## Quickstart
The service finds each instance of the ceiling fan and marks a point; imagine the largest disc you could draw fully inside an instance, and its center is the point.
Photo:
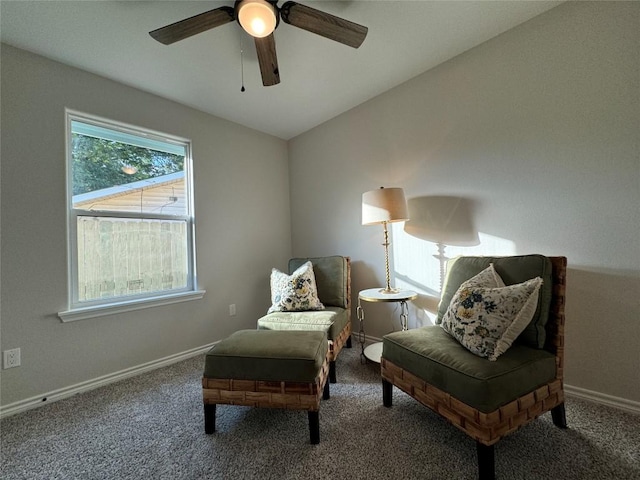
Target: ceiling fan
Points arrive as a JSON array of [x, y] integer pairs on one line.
[[259, 18]]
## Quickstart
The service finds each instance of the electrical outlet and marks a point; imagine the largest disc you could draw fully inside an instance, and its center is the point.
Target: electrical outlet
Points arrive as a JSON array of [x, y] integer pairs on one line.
[[12, 358], [232, 310]]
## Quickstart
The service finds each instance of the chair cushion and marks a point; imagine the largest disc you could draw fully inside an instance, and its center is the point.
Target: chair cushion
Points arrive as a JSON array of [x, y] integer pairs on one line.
[[433, 355], [514, 269], [267, 356], [331, 320], [331, 278]]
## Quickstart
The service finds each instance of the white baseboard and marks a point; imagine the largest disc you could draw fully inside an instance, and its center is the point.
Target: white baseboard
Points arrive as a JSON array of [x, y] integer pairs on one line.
[[55, 395], [603, 399], [37, 401]]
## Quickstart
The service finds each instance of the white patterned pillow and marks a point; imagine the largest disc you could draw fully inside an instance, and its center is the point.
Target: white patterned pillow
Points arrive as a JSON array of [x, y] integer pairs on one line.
[[296, 292], [485, 318]]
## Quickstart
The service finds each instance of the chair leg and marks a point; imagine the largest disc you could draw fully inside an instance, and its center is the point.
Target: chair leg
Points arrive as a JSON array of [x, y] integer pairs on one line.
[[332, 371], [387, 393], [559, 416], [348, 344], [314, 427], [325, 392], [209, 418], [486, 462]]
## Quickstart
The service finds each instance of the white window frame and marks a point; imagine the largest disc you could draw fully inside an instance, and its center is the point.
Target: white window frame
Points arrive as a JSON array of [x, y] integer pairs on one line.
[[88, 309]]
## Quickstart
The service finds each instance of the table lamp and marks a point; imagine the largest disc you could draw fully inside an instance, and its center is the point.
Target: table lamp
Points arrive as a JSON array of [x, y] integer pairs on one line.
[[384, 205]]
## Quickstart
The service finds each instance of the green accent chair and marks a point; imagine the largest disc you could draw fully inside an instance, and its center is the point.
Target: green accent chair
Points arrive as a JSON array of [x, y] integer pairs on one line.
[[485, 399], [333, 280]]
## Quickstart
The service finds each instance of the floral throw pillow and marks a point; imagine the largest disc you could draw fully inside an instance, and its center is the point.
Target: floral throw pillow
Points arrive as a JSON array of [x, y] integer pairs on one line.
[[486, 317], [296, 292]]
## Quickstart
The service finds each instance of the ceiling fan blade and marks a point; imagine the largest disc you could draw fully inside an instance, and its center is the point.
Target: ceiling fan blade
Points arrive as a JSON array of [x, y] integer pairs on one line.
[[193, 25], [268, 60], [322, 23]]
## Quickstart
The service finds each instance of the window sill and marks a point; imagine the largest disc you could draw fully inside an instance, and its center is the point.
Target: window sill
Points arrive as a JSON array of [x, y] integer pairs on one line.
[[123, 307]]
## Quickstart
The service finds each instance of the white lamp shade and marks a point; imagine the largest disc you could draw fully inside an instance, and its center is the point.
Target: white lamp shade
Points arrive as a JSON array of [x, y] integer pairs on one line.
[[384, 205], [257, 17]]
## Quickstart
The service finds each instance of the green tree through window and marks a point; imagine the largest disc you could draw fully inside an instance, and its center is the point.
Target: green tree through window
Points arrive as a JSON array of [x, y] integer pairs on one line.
[[98, 163]]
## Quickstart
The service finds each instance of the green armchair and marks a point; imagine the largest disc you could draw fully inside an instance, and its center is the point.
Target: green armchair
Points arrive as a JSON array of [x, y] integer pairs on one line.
[[333, 280], [486, 399]]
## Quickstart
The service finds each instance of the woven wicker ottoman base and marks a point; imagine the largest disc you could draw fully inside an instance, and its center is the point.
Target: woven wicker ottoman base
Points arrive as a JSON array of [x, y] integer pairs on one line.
[[269, 369]]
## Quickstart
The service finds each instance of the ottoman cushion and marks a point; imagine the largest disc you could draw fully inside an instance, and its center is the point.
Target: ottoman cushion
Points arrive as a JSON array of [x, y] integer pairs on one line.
[[289, 356]]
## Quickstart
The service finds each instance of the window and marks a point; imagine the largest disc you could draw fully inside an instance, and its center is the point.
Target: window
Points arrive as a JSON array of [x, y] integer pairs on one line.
[[130, 218]]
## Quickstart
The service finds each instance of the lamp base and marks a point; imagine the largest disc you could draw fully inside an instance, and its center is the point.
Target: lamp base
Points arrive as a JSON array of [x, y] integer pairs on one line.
[[389, 290]]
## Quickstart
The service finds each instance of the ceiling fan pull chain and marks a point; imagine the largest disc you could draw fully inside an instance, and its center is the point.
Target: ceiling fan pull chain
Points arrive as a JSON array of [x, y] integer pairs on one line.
[[241, 65]]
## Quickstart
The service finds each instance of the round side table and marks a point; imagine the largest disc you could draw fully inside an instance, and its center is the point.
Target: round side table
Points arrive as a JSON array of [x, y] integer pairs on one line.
[[374, 351]]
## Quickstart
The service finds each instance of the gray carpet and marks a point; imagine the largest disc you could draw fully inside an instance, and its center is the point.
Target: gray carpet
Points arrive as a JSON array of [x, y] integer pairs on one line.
[[151, 427]]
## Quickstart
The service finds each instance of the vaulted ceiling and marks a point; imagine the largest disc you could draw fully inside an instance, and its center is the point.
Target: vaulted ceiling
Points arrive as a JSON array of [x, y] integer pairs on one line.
[[320, 78]]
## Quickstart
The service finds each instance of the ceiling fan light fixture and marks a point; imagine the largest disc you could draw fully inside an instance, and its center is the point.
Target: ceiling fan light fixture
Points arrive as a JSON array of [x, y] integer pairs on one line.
[[257, 17]]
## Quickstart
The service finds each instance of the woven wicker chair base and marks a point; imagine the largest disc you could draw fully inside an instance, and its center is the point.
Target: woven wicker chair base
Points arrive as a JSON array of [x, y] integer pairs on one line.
[[488, 428], [335, 346], [267, 394]]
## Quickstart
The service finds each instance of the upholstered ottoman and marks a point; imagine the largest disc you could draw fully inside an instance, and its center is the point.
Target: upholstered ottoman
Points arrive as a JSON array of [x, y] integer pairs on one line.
[[271, 369]]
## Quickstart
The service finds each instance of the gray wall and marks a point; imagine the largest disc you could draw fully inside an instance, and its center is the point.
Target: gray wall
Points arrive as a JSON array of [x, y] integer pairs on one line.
[[243, 228], [539, 130]]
